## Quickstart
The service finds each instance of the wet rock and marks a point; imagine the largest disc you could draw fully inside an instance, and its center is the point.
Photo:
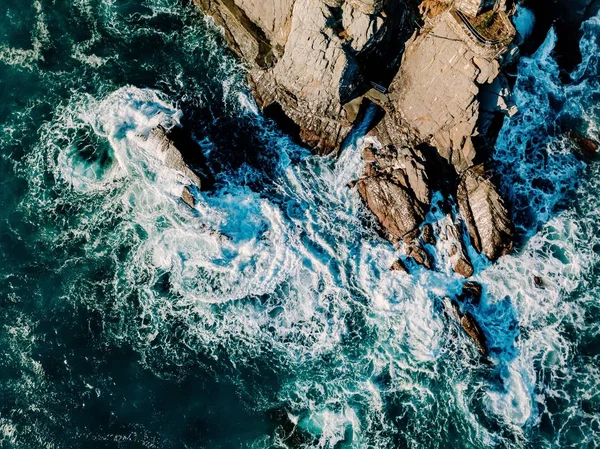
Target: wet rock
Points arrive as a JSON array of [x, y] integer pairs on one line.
[[538, 282], [187, 197], [178, 151], [394, 205], [463, 267], [473, 330], [468, 322], [459, 260], [415, 251], [427, 234], [309, 58], [588, 146], [485, 213], [452, 309], [471, 292], [398, 265], [396, 189]]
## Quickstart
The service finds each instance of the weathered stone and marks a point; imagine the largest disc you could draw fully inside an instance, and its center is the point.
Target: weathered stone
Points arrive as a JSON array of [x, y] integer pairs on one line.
[[427, 234], [394, 205], [452, 309], [484, 211], [472, 292], [305, 56], [187, 197], [473, 330], [463, 267], [415, 251], [452, 239], [398, 265], [438, 84]]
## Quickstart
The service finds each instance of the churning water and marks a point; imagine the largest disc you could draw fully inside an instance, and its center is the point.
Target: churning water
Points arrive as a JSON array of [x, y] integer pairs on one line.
[[266, 317]]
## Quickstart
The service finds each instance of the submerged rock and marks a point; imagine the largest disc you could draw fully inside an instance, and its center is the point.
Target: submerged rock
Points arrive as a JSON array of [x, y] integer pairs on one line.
[[588, 146], [472, 292], [488, 220]]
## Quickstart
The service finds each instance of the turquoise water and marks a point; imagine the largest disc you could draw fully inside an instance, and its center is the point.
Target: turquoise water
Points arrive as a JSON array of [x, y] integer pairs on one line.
[[266, 317]]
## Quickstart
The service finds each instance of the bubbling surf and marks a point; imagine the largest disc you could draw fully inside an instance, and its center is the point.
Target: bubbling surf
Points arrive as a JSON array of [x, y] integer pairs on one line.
[[266, 315]]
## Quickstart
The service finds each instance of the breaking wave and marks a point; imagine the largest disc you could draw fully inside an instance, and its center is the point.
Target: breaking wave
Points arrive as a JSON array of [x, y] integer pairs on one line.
[[271, 301]]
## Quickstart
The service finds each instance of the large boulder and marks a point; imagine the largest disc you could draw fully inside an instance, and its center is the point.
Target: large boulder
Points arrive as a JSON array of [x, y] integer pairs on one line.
[[485, 213], [396, 188]]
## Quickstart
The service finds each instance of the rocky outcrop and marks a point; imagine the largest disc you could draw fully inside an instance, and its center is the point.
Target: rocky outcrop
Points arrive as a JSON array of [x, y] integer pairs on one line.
[[396, 188], [179, 152], [317, 63], [309, 58], [486, 215], [468, 323]]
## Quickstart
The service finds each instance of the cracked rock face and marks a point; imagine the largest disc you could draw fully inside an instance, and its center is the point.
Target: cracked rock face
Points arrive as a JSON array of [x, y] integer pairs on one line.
[[312, 62], [437, 87], [304, 57], [486, 215], [396, 189]]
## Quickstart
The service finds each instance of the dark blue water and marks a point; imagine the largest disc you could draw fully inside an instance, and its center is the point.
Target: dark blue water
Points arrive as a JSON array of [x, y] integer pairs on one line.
[[267, 316]]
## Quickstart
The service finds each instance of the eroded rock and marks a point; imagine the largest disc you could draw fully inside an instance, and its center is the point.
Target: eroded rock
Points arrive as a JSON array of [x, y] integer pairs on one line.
[[485, 213], [468, 323], [396, 189], [398, 265], [179, 152], [473, 330]]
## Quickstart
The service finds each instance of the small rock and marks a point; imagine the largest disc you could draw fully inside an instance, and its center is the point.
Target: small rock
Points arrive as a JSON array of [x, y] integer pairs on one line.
[[485, 213], [538, 282], [427, 234], [587, 145], [416, 252], [473, 330], [463, 267], [187, 197], [472, 292], [399, 266], [452, 309]]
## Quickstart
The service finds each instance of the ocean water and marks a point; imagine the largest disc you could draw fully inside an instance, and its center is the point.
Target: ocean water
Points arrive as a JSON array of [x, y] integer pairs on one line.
[[266, 317]]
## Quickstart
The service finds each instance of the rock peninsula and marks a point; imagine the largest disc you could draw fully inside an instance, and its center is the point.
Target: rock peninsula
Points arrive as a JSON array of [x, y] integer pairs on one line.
[[317, 65]]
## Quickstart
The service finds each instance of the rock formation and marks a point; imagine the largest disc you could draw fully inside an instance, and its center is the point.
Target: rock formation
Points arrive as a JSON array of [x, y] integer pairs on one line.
[[309, 58], [467, 322], [485, 213], [396, 188], [178, 151], [318, 63]]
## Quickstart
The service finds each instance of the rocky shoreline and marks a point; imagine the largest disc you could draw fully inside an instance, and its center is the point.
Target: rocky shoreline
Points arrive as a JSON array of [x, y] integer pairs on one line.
[[433, 72]]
